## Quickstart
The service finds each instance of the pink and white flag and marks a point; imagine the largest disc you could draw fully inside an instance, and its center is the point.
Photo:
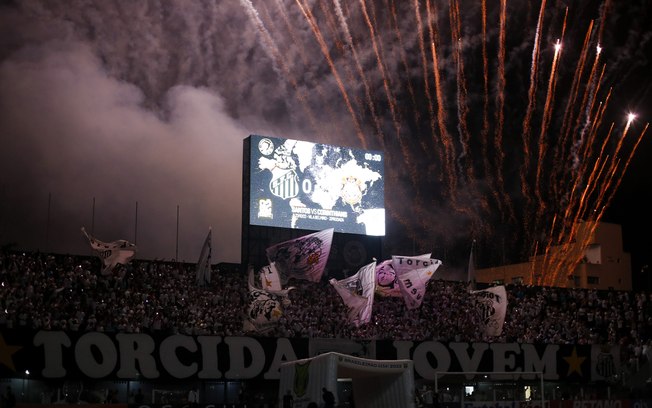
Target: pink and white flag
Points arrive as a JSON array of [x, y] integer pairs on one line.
[[302, 258], [413, 282]]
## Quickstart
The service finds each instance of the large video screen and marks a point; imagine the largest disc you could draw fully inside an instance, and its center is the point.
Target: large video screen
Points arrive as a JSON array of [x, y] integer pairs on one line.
[[312, 186]]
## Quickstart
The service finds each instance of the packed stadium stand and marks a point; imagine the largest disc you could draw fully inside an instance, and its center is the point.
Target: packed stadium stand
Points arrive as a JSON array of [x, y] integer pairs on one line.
[[52, 293]]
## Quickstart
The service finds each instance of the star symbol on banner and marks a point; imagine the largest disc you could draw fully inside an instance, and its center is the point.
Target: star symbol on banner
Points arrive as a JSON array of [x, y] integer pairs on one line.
[[6, 353], [574, 363]]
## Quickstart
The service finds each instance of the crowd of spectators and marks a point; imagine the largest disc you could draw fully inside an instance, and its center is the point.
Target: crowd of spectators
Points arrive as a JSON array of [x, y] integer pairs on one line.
[[57, 292]]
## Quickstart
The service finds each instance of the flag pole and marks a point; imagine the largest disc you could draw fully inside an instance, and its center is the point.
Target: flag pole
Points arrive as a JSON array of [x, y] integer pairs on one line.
[[93, 218], [470, 278], [136, 226], [47, 223], [176, 253], [93, 221]]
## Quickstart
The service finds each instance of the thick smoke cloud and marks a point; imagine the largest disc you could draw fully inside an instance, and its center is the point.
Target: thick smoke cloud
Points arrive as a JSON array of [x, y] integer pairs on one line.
[[79, 135]]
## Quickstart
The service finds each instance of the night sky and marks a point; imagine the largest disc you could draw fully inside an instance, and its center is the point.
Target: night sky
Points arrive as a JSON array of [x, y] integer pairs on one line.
[[118, 115]]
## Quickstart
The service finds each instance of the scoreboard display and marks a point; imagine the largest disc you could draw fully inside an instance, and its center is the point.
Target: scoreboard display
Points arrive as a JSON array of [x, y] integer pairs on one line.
[[312, 186]]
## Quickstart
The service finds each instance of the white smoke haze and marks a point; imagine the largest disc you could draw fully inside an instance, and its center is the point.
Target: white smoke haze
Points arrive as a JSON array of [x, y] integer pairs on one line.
[[121, 102], [81, 135]]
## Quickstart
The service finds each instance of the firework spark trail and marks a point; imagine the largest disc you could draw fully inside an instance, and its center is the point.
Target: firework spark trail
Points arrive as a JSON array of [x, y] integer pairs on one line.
[[545, 123], [390, 97], [499, 182], [547, 116], [610, 184], [304, 60], [571, 260], [561, 228], [569, 218], [266, 39], [573, 251], [484, 132], [449, 153], [280, 67], [563, 26], [534, 68], [324, 48], [591, 183], [616, 152], [401, 50], [574, 210], [381, 66], [606, 6], [600, 111], [543, 278], [592, 134], [426, 83], [462, 109], [533, 264], [585, 230], [583, 149], [391, 100], [577, 180], [613, 169], [356, 59], [569, 233], [560, 152], [595, 181], [596, 84], [585, 106], [403, 143], [624, 169], [332, 25]]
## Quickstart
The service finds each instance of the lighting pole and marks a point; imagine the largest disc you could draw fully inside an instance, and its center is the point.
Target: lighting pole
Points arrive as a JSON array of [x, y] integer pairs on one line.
[[25, 397]]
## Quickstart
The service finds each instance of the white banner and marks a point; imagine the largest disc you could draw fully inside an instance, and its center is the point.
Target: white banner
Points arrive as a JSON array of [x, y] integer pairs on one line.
[[111, 253], [265, 307], [204, 263], [269, 278], [491, 305], [357, 292]]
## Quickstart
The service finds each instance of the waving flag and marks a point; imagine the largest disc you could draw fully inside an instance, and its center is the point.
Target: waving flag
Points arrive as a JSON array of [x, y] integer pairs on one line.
[[387, 272], [204, 263], [386, 282], [491, 306], [269, 278], [413, 282], [357, 292], [111, 253], [265, 307], [302, 258], [402, 264]]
